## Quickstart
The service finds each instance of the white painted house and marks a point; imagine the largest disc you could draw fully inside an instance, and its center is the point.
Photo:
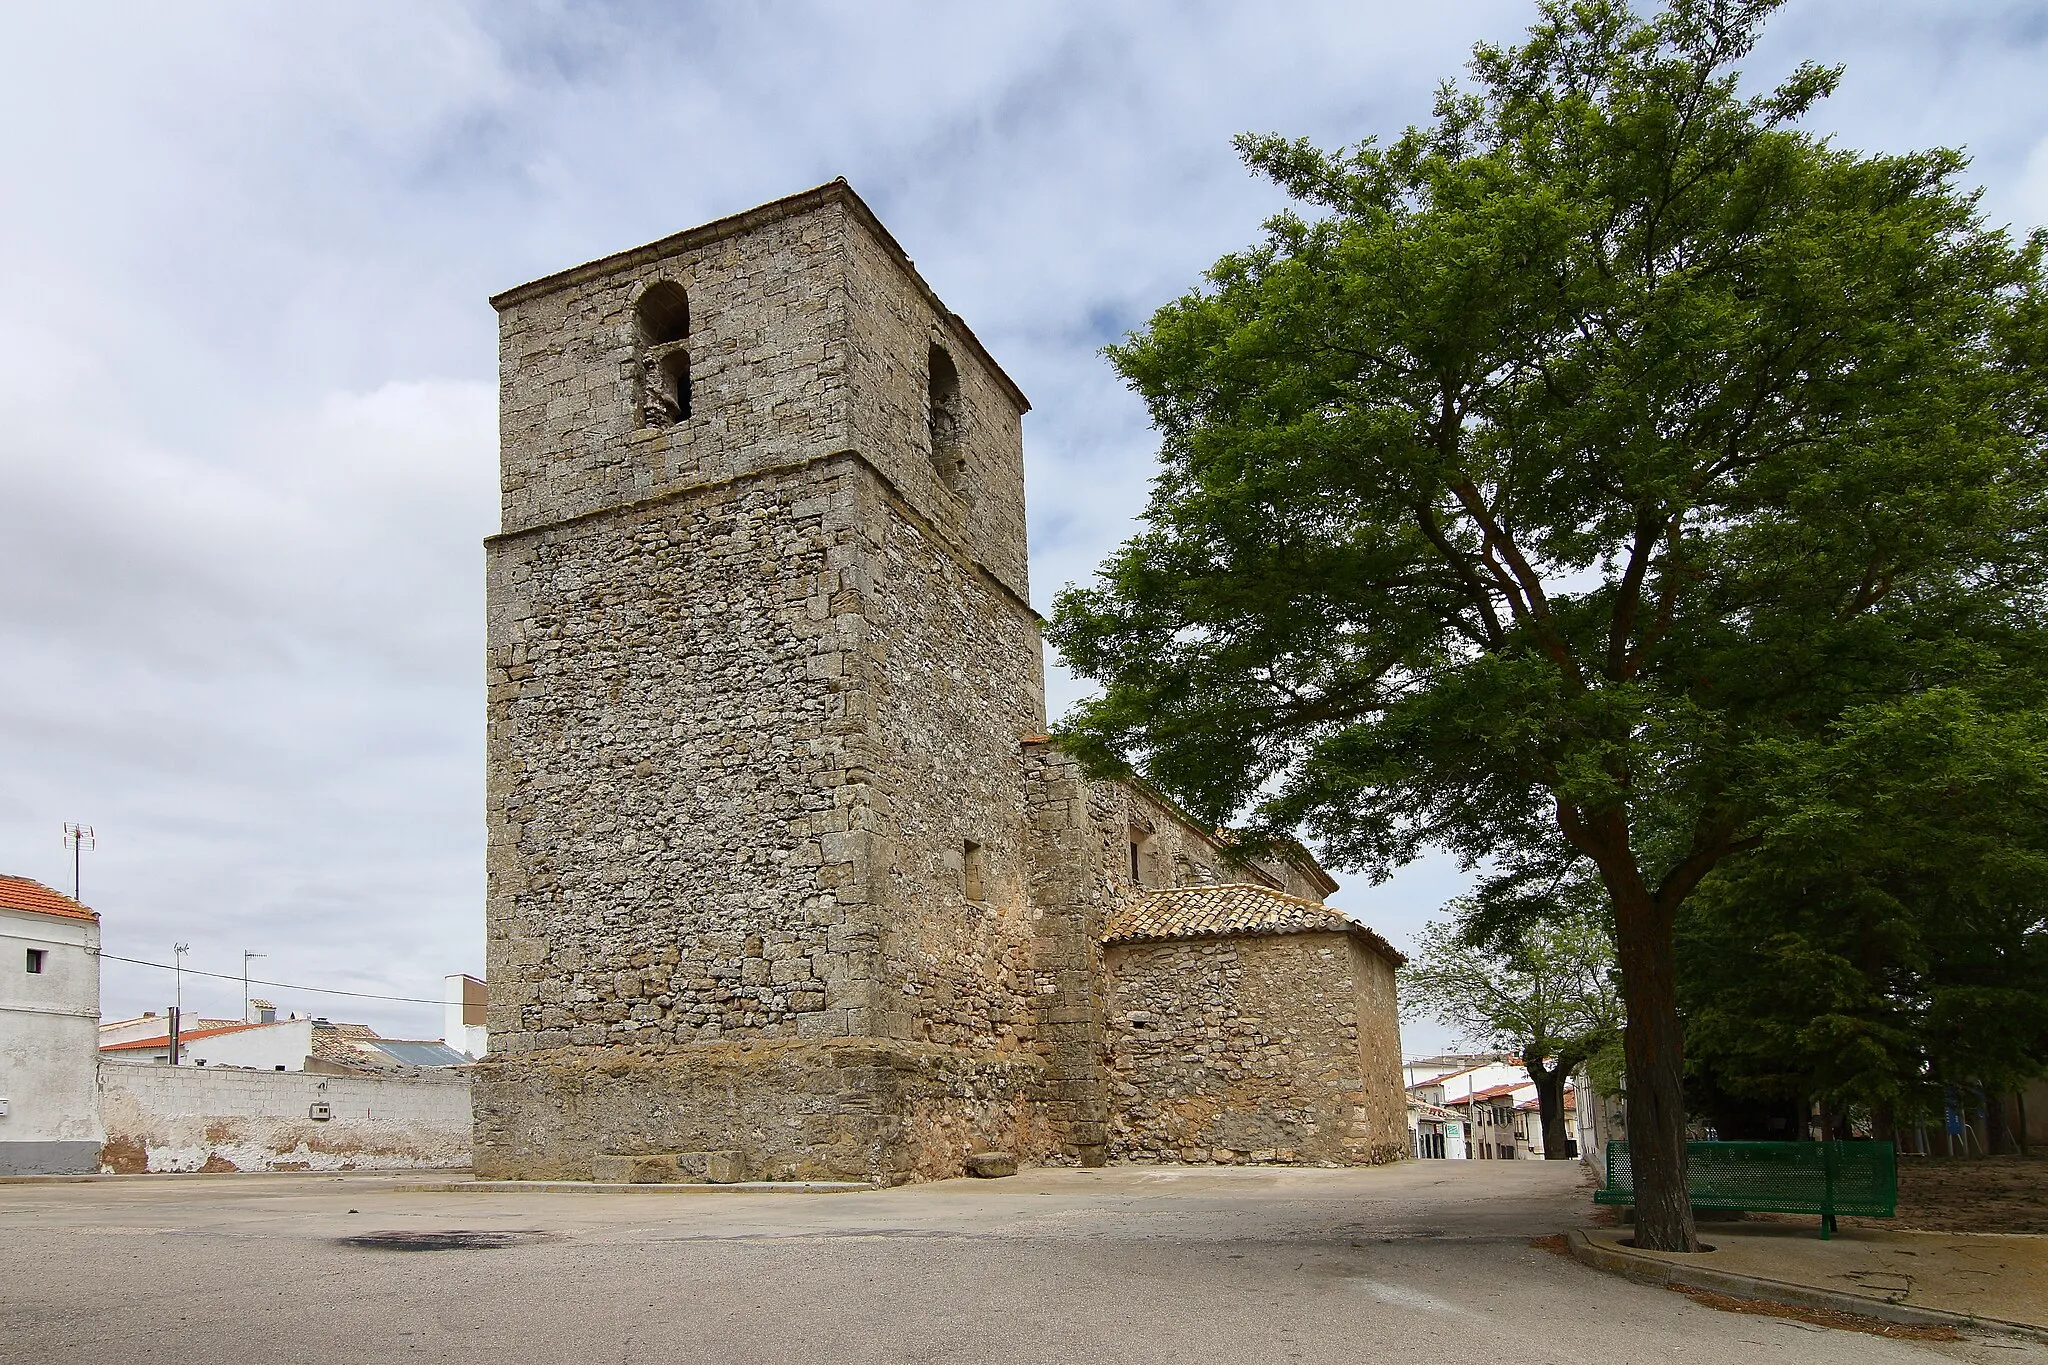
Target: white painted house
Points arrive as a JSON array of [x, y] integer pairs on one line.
[[462, 1026], [49, 1032], [282, 1045]]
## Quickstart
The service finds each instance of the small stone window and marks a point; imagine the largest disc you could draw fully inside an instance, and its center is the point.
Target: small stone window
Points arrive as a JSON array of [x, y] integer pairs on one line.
[[971, 870], [662, 319], [946, 420], [1141, 856], [35, 961]]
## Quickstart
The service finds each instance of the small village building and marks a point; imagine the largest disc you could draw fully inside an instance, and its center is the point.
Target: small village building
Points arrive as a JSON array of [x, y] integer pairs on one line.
[[49, 1012], [297, 1043], [1246, 1024], [1430, 1129], [1490, 1120], [1529, 1126], [462, 1018], [278, 1046]]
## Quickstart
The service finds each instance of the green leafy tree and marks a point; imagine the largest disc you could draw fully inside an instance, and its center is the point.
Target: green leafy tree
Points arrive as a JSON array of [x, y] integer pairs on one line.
[[1548, 996], [1890, 939], [1559, 456]]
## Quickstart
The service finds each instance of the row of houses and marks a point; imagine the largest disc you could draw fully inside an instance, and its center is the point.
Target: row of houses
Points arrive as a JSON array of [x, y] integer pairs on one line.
[[72, 1087], [1483, 1107]]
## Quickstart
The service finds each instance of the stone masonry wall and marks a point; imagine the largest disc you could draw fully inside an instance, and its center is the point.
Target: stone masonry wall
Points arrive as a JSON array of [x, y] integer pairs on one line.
[[671, 791], [757, 681], [954, 665], [1082, 834], [892, 325], [767, 370], [1251, 1049], [846, 1109]]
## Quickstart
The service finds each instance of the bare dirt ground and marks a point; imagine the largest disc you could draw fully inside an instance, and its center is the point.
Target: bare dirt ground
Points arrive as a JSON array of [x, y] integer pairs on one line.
[[1987, 1194], [1940, 1194]]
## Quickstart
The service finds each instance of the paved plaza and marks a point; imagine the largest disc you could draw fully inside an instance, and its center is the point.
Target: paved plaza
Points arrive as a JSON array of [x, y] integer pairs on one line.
[[1419, 1262]]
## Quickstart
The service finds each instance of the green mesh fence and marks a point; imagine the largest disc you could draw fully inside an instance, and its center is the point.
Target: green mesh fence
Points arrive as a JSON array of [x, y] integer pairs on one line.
[[1776, 1177]]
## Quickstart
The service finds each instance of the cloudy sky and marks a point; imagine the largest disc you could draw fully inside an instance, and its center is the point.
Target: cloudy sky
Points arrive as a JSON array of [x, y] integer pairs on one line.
[[246, 363]]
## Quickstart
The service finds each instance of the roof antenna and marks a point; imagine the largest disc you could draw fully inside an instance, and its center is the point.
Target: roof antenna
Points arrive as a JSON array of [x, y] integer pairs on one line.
[[78, 838]]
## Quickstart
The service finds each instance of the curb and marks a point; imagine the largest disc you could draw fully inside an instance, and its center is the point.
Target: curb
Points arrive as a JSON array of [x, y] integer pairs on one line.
[[1654, 1270], [677, 1187], [132, 1177]]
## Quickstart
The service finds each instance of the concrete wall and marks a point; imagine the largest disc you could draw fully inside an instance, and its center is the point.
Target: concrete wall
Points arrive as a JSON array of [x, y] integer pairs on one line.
[[1272, 1048], [49, 1045], [187, 1118]]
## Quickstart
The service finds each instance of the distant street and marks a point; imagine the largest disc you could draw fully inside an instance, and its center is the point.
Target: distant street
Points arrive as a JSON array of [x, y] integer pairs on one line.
[[1423, 1262]]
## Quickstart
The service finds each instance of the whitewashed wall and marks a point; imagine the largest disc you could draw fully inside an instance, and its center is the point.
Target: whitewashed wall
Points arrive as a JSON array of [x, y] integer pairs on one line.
[[49, 1043], [162, 1118]]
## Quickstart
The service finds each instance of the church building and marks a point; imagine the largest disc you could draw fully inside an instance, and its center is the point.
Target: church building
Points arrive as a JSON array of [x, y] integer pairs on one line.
[[785, 880]]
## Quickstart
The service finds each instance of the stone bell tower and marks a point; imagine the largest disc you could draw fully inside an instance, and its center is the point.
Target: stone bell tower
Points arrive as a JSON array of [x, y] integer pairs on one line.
[[760, 657]]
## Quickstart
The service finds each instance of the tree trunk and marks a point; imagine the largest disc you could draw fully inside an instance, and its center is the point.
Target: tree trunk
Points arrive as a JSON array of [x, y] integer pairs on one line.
[[1549, 1082], [1997, 1131], [1654, 1052]]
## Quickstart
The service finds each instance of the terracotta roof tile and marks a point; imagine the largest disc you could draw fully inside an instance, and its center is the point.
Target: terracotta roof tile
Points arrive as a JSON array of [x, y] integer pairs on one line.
[[1494, 1092], [164, 1039], [1571, 1102], [20, 893], [1227, 910]]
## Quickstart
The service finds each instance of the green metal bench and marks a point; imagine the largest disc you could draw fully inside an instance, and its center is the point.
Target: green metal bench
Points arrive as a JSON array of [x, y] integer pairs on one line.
[[1827, 1178]]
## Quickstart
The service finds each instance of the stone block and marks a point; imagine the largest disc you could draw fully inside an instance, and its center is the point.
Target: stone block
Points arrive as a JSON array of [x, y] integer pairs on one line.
[[991, 1165], [653, 1168]]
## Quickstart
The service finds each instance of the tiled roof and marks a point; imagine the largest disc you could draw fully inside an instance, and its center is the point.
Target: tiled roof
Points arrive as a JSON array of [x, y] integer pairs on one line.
[[1496, 1091], [1236, 908], [164, 1039], [1571, 1101], [19, 893]]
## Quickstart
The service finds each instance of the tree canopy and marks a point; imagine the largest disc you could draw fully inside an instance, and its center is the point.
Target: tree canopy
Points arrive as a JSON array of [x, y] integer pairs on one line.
[[1552, 463], [1890, 939]]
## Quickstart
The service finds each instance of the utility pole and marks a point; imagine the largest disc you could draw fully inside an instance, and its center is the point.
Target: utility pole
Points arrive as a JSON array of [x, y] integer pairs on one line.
[[246, 955], [78, 838], [178, 951]]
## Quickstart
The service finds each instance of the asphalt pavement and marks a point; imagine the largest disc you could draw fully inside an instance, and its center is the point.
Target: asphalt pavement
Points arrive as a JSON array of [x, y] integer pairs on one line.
[[1420, 1262]]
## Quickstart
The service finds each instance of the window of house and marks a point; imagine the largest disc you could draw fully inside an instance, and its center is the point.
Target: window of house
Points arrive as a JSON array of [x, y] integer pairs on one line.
[[971, 871], [945, 419], [35, 961], [662, 318]]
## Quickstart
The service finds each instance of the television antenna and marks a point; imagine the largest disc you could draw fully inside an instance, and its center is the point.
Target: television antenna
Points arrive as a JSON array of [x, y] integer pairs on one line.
[[78, 838]]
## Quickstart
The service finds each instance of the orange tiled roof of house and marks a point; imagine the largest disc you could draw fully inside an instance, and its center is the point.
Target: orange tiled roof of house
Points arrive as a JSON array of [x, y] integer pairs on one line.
[[1226, 910], [21, 893], [1571, 1101], [1496, 1091], [164, 1039]]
